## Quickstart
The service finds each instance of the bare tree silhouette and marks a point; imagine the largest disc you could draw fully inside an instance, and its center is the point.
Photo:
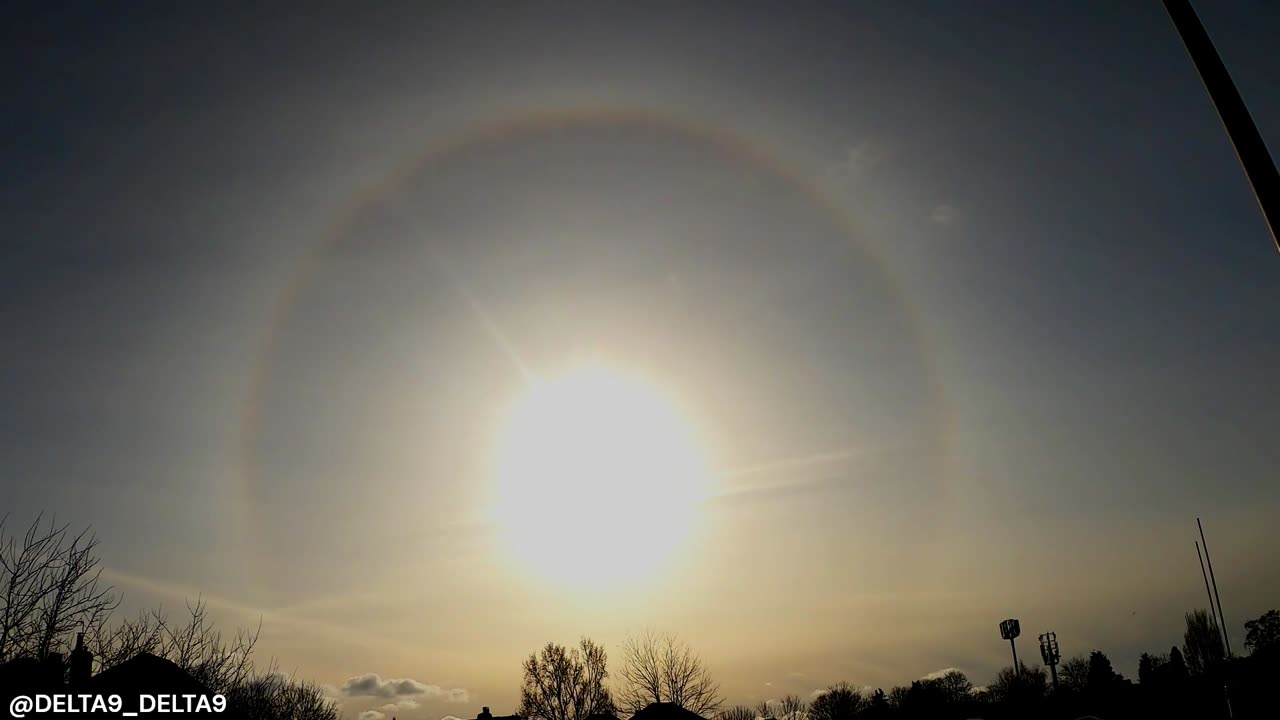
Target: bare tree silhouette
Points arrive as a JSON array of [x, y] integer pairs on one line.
[[955, 686], [273, 696], [50, 589], [565, 684], [838, 702], [1027, 684], [659, 667], [898, 695], [877, 706], [1073, 674], [737, 712], [50, 586], [790, 707]]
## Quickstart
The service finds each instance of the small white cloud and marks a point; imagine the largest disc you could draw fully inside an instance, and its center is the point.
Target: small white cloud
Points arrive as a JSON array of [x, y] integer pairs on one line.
[[458, 695], [768, 684], [943, 214], [374, 685], [939, 673], [817, 693], [372, 715], [862, 158], [450, 717], [857, 161], [403, 704], [978, 690]]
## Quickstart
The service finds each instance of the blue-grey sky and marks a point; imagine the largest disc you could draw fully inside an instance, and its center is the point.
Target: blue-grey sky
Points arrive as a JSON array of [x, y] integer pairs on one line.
[[970, 307]]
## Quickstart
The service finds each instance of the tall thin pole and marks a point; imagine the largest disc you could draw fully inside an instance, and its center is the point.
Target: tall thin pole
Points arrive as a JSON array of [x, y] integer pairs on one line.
[[1222, 618], [1213, 615], [1249, 146], [1016, 670]]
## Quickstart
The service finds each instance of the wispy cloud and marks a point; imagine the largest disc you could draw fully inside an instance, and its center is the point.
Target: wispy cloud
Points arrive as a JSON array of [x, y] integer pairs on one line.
[[372, 715], [943, 214], [167, 589]]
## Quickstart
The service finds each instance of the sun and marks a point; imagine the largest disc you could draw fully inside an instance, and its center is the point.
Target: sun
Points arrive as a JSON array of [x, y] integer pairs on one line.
[[598, 478]]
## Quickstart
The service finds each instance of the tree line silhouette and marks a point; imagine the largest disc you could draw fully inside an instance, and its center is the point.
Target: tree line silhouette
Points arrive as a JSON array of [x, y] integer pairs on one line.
[[51, 591], [1195, 680]]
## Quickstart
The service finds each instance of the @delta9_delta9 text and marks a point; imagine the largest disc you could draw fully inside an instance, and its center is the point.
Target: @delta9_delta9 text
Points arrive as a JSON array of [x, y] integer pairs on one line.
[[114, 704]]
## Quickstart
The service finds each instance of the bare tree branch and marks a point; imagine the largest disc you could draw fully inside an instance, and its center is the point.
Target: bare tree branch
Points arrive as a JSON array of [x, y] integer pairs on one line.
[[658, 667], [563, 684]]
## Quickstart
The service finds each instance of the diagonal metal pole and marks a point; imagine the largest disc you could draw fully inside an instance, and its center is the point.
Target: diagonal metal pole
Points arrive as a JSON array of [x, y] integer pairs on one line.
[[1250, 148], [1213, 615], [1222, 619]]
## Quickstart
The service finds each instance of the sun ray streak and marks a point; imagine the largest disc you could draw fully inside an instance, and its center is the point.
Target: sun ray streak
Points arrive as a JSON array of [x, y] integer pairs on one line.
[[788, 463], [454, 277]]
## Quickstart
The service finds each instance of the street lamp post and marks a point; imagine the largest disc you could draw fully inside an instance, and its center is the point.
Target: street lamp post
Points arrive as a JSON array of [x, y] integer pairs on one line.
[[1009, 630]]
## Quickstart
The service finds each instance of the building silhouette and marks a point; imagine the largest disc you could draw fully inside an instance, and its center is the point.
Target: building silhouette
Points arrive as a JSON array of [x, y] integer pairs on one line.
[[143, 674], [666, 711], [486, 715]]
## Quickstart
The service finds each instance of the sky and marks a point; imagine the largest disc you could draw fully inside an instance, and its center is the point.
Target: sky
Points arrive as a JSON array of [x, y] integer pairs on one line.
[[967, 309]]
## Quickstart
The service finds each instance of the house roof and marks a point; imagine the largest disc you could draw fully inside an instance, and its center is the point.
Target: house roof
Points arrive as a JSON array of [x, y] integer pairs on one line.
[[146, 674], [666, 711]]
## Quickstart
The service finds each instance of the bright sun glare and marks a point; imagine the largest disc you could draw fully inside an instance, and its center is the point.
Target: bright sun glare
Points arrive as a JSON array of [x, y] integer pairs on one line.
[[598, 478]]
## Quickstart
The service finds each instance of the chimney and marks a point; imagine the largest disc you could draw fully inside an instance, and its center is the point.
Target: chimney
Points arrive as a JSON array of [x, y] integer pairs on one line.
[[484, 714], [81, 663]]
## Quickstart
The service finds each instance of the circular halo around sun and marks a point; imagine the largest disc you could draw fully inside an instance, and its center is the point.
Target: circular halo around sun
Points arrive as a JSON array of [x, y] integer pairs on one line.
[[599, 479]]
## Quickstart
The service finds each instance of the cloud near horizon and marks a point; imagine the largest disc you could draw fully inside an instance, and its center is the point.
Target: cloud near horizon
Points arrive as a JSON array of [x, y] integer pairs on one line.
[[374, 685], [937, 674]]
